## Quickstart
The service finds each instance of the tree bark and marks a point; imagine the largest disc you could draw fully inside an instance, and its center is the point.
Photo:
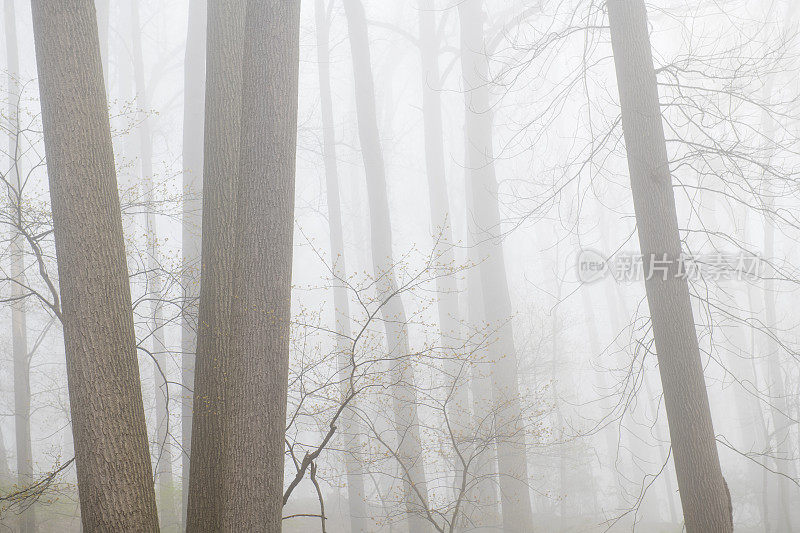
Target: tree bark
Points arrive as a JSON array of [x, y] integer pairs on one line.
[[236, 480], [393, 312], [511, 451], [356, 496], [704, 494], [223, 109], [191, 226], [115, 482], [255, 411]]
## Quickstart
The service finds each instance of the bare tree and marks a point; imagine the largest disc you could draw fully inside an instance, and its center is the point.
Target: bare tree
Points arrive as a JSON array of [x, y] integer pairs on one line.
[[496, 300], [158, 349], [353, 461], [394, 315], [704, 493], [113, 463]]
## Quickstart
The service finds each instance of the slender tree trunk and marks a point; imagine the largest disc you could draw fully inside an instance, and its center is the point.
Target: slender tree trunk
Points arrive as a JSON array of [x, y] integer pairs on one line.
[[511, 451], [193, 124], [223, 109], [163, 448], [393, 312], [484, 508], [704, 493], [441, 226], [115, 482], [353, 460], [19, 323]]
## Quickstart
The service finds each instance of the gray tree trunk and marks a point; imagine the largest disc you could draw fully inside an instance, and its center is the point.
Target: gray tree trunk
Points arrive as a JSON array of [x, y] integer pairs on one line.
[[255, 411], [511, 451], [191, 227], [457, 370], [163, 448], [243, 343], [393, 312], [115, 483], [704, 493], [223, 109], [356, 495]]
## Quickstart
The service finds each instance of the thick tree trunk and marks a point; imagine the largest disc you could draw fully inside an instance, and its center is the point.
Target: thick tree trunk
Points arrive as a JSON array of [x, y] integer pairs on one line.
[[191, 227], [223, 109], [255, 411], [511, 451], [393, 312], [115, 482], [236, 481], [163, 446], [19, 322], [704, 494], [356, 496]]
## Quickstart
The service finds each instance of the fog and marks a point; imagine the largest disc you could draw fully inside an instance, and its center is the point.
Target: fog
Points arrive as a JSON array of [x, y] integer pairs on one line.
[[437, 265]]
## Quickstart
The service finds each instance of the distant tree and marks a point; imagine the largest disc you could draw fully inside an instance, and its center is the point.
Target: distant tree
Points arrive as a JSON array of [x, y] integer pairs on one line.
[[394, 314], [353, 461], [115, 482], [494, 299], [704, 493]]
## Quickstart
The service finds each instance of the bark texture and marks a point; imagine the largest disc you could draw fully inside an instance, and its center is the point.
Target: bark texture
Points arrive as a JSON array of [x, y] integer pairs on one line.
[[409, 449], [356, 497], [255, 410], [115, 482], [223, 109], [485, 222], [236, 481], [704, 495]]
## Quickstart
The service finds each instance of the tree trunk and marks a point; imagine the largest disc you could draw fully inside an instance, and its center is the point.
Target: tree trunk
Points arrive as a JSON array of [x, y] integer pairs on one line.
[[163, 448], [704, 493], [353, 460], [511, 451], [255, 412], [393, 312], [19, 322], [456, 370], [223, 109], [236, 481], [193, 123], [115, 482]]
